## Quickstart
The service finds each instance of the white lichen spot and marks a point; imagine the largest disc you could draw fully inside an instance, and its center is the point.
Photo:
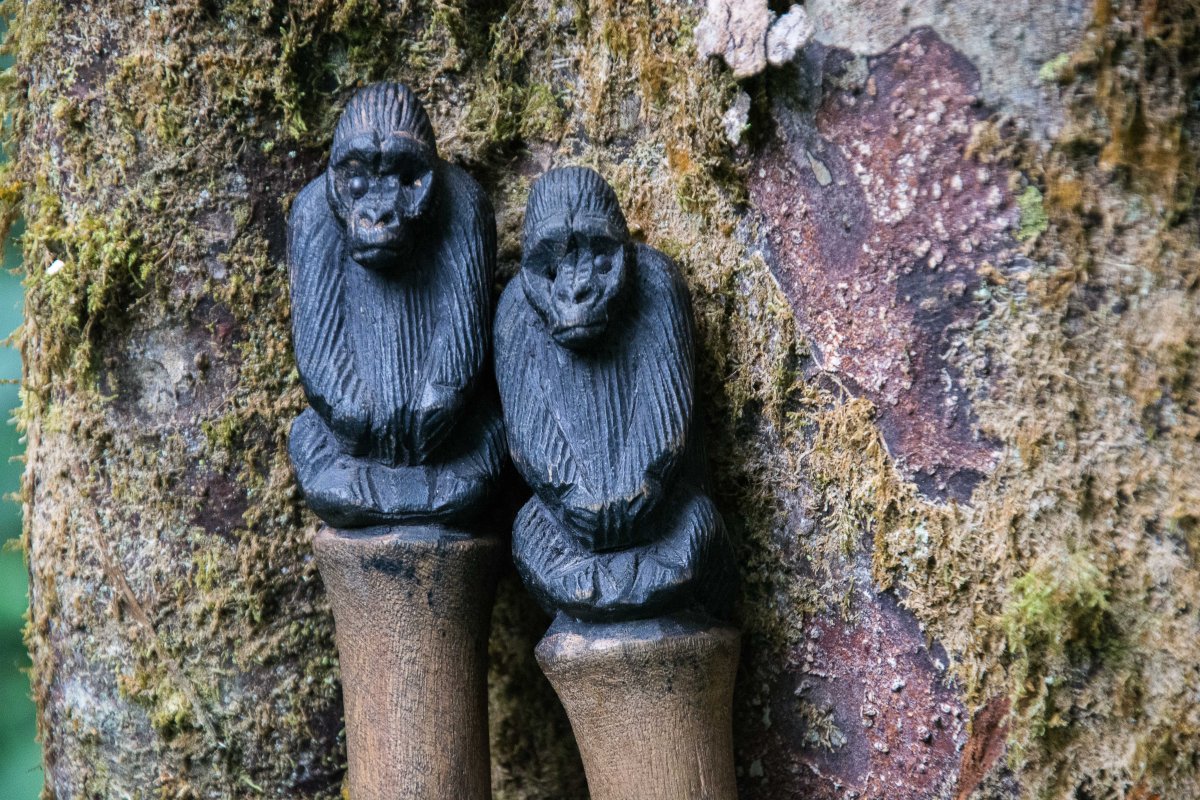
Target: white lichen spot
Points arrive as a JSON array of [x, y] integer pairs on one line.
[[736, 120], [788, 36], [747, 35], [819, 169]]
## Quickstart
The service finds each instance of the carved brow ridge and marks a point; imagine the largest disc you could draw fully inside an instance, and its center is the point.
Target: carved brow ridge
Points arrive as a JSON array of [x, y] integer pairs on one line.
[[574, 220], [367, 148]]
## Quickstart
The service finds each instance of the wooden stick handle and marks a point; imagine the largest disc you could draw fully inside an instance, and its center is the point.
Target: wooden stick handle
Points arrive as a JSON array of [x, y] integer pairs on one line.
[[651, 705], [412, 608]]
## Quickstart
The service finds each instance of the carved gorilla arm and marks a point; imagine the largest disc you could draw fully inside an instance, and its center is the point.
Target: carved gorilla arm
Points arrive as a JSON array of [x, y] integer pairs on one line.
[[461, 340], [326, 365]]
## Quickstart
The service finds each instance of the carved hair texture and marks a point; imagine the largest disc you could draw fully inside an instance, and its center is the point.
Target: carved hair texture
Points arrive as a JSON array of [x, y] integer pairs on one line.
[[598, 397], [387, 108], [566, 196], [391, 311]]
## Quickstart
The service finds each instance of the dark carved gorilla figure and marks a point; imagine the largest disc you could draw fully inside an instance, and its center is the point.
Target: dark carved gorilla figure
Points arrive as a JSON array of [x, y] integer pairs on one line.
[[594, 359], [392, 253]]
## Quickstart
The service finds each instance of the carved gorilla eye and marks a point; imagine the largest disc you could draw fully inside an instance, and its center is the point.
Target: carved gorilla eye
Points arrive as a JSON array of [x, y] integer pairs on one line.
[[357, 186], [602, 264]]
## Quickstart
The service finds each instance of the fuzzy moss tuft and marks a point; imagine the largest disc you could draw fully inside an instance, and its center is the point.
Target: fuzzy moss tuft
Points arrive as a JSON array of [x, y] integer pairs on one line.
[[1033, 216], [1055, 621]]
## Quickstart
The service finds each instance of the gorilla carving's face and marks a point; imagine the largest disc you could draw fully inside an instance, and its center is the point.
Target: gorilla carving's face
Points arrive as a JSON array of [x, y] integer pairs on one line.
[[380, 186], [573, 275]]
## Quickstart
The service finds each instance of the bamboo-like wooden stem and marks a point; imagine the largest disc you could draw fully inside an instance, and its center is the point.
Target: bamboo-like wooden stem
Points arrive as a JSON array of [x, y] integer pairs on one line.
[[650, 703], [412, 608]]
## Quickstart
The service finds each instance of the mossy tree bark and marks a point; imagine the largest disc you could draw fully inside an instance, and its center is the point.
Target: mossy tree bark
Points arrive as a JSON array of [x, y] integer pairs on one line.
[[945, 269]]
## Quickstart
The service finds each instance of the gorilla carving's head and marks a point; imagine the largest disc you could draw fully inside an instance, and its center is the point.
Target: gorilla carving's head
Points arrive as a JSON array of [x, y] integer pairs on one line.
[[577, 254], [382, 173]]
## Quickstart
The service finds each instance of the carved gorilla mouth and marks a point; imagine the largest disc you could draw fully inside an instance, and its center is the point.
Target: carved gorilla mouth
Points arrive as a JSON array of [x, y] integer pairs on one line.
[[579, 332], [375, 256], [380, 247], [373, 253]]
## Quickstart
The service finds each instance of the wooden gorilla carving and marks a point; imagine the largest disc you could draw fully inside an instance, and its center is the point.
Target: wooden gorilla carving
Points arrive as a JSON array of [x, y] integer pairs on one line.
[[392, 252], [594, 358]]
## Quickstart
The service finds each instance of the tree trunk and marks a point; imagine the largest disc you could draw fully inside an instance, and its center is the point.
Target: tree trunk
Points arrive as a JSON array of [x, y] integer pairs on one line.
[[945, 266]]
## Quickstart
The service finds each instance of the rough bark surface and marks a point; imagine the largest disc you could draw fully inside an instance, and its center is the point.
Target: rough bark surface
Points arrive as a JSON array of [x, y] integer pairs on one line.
[[945, 269]]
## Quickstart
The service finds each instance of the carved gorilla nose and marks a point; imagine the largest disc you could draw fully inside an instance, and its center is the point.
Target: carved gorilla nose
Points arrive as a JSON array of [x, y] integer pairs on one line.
[[575, 291], [373, 216], [575, 282]]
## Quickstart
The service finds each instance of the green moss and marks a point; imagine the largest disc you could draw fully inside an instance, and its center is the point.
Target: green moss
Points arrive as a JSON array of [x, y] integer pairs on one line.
[[171, 714], [1055, 69], [1033, 216], [541, 117], [1056, 618], [225, 433]]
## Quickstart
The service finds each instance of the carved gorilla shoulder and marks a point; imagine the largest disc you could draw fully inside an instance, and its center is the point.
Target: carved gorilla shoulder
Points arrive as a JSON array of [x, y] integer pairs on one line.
[[392, 253], [594, 358]]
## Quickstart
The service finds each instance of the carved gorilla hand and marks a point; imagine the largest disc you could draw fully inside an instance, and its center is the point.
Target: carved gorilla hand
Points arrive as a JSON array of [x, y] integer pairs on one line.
[[436, 412], [594, 361], [392, 253]]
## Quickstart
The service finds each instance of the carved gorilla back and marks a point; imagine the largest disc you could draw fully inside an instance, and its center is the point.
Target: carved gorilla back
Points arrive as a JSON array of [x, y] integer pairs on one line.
[[594, 358], [392, 252]]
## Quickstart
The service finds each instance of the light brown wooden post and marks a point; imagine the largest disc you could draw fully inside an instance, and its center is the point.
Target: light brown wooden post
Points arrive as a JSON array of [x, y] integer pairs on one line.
[[412, 608], [650, 703]]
